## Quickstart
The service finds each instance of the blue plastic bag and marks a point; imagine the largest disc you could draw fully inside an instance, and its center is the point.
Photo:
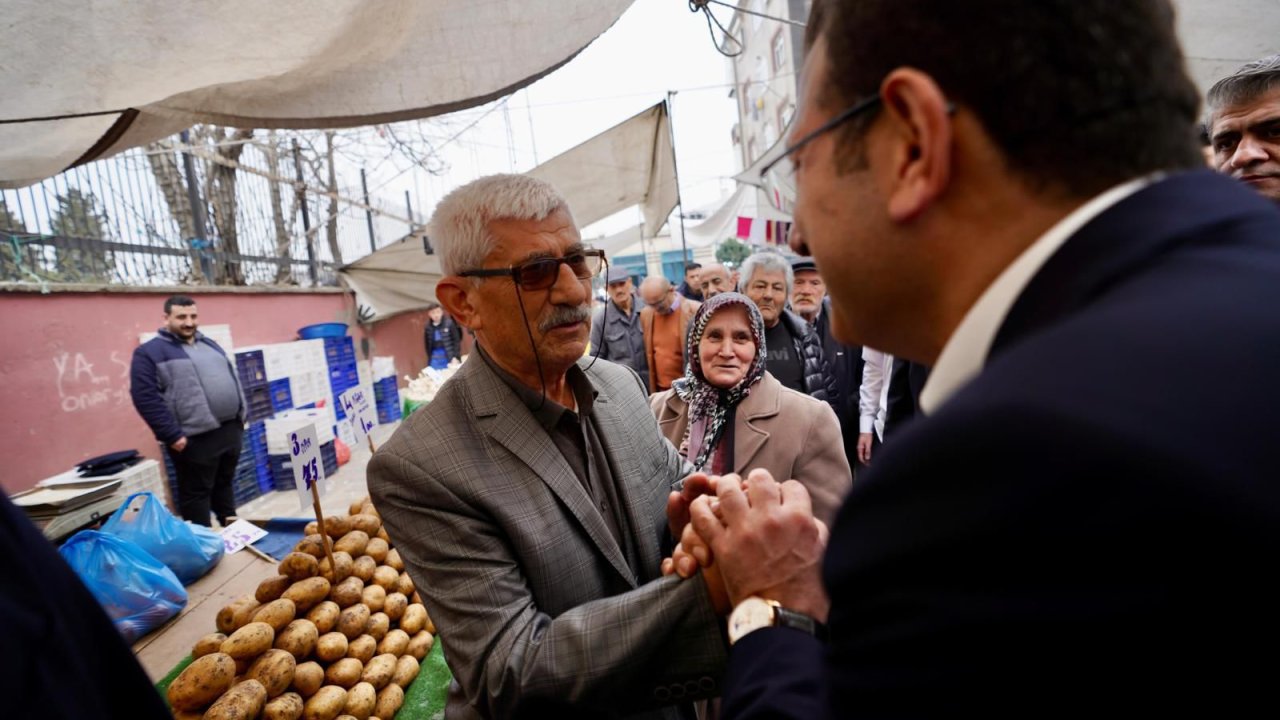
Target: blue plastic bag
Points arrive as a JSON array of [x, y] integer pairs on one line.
[[136, 590], [189, 550]]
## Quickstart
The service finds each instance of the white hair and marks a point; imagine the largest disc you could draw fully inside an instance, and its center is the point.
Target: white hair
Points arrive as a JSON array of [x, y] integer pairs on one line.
[[767, 261], [459, 227]]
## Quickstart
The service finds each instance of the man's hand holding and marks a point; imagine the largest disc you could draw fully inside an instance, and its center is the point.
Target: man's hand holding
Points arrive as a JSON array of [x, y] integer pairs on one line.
[[179, 445], [765, 542]]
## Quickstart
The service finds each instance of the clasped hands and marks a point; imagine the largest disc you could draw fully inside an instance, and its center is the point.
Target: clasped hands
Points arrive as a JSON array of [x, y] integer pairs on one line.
[[749, 537]]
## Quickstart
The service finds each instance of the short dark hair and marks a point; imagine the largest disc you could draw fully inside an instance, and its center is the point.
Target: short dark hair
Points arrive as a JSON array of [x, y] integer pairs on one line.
[[1250, 82], [1079, 95], [180, 300], [432, 305], [692, 266]]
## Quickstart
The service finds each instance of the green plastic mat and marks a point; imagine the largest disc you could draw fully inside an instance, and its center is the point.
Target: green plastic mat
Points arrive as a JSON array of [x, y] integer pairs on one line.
[[423, 700]]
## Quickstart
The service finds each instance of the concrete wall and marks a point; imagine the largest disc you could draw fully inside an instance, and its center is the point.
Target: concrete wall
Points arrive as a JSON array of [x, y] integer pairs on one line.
[[64, 364]]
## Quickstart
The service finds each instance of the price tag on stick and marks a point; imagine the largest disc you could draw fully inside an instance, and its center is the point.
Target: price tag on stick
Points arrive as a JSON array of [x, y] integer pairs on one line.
[[308, 473], [360, 413]]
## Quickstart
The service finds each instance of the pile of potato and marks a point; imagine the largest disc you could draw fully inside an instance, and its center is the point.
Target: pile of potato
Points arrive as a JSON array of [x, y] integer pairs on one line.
[[318, 641]]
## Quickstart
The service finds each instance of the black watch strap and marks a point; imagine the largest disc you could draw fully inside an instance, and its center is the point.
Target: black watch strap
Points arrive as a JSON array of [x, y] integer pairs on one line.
[[800, 621]]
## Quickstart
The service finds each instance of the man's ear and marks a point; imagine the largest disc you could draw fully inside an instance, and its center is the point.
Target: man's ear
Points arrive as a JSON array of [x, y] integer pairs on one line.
[[921, 133], [456, 295]]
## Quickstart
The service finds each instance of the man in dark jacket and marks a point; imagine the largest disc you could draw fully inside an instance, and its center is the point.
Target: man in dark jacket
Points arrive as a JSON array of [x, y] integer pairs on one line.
[[187, 391], [185, 388], [809, 300], [796, 357], [616, 332], [442, 337]]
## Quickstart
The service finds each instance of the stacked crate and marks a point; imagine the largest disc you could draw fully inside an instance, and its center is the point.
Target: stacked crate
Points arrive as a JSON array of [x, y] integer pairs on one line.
[[340, 356], [386, 395], [279, 464], [251, 368]]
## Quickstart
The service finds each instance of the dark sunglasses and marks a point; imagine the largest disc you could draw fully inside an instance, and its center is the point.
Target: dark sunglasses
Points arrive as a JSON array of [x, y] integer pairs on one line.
[[853, 111], [541, 274]]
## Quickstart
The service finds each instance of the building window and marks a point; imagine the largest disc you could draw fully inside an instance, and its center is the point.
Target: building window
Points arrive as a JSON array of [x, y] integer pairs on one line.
[[779, 48]]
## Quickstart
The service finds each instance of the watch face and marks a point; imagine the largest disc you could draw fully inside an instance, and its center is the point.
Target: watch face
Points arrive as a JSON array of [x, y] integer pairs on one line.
[[750, 614]]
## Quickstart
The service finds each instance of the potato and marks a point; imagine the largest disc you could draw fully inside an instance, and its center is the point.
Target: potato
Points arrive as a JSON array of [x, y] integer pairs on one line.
[[354, 508], [420, 645], [406, 670], [362, 648], [208, 644], [369, 509], [395, 605], [306, 593], [249, 641], [373, 597], [226, 616], [344, 563], [396, 642], [377, 548], [382, 534], [331, 646], [277, 613], [344, 673], [298, 639], [416, 598], [299, 566], [431, 627], [325, 704], [274, 669], [325, 616], [307, 678], [360, 700], [242, 667], [202, 681], [312, 545], [379, 670], [188, 714], [390, 698], [379, 624], [272, 588], [387, 577], [312, 528], [405, 586], [393, 560], [367, 524], [242, 702], [413, 619], [348, 592], [353, 542], [353, 621], [245, 614], [364, 567], [286, 707], [336, 527]]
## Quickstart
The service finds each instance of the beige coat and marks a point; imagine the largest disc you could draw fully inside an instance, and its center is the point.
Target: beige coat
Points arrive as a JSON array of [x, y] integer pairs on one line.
[[785, 432]]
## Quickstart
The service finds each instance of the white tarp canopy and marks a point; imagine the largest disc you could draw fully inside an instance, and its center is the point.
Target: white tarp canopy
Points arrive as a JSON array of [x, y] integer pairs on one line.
[[630, 164], [83, 80]]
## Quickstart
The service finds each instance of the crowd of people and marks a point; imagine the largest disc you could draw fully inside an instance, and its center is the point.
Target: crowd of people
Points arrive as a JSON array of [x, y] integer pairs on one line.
[[1043, 335]]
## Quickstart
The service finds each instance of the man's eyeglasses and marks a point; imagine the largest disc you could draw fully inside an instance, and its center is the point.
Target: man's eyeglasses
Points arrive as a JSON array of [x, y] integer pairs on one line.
[[853, 111], [541, 274]]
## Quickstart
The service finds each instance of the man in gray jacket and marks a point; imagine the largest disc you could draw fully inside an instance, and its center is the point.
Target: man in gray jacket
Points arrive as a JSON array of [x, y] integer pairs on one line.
[[185, 388], [616, 333]]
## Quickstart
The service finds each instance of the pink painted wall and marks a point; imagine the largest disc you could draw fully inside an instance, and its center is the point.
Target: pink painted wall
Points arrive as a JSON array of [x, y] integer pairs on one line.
[[64, 364]]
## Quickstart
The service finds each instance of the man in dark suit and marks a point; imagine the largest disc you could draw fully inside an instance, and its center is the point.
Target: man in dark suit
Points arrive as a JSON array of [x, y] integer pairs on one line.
[[1083, 520]]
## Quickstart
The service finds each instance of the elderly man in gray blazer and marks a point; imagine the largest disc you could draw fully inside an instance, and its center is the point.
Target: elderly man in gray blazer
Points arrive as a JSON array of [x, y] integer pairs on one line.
[[529, 500]]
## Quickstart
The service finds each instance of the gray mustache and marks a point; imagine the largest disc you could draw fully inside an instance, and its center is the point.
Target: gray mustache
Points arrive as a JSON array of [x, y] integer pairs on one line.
[[565, 314]]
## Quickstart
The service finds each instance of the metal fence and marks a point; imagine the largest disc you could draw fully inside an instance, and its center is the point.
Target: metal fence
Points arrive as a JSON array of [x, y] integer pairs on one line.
[[218, 208]]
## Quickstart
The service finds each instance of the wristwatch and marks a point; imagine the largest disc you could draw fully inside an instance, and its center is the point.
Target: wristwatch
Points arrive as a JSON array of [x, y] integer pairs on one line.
[[757, 612]]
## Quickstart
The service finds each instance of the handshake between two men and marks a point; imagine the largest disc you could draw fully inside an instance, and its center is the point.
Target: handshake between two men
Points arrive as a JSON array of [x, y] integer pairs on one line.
[[749, 538]]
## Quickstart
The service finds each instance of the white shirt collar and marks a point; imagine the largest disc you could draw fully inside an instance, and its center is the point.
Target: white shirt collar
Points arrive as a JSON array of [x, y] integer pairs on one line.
[[965, 353]]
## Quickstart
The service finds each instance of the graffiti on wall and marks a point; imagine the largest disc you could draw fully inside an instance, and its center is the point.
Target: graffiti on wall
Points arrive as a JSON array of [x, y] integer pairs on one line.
[[88, 384]]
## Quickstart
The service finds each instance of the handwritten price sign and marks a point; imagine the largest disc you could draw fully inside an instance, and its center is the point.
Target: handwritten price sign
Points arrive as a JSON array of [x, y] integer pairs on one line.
[[240, 533], [304, 456], [355, 403]]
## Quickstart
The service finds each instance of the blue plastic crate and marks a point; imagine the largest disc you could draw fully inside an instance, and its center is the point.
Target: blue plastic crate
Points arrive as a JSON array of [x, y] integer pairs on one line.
[[281, 397], [251, 368]]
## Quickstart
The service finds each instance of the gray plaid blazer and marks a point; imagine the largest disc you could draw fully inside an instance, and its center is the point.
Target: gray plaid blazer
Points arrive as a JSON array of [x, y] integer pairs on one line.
[[539, 613]]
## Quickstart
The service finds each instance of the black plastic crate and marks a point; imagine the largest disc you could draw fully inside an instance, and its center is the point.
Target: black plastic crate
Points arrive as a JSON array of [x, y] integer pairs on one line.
[[281, 397], [251, 368]]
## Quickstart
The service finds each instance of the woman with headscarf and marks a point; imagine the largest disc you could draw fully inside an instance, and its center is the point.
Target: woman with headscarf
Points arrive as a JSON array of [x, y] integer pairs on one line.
[[729, 415]]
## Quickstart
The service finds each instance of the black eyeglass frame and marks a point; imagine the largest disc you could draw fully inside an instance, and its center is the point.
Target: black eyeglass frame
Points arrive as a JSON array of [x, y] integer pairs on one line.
[[514, 271], [848, 114]]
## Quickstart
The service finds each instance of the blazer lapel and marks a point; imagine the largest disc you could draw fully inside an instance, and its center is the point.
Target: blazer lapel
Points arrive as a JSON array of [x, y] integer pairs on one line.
[[748, 439], [508, 422], [616, 432]]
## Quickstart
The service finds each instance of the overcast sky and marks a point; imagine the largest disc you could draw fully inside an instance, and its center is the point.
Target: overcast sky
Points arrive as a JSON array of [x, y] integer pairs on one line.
[[656, 46]]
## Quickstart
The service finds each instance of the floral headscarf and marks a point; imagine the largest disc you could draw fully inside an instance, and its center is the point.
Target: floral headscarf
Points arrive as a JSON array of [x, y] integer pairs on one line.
[[709, 406]]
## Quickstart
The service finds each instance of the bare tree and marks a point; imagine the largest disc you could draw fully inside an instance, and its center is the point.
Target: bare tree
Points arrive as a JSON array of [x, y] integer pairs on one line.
[[220, 189], [284, 236], [331, 185], [163, 160]]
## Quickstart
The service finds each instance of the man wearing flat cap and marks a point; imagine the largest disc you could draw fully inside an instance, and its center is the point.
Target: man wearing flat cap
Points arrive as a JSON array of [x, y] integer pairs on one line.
[[615, 327]]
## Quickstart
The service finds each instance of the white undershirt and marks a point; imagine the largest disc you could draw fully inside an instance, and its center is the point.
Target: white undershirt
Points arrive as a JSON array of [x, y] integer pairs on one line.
[[873, 394], [965, 353]]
